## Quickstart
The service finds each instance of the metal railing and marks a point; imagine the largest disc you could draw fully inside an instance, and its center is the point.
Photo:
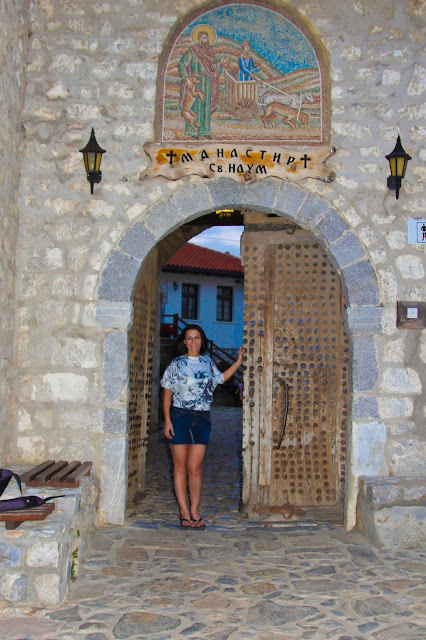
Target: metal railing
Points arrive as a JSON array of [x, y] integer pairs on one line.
[[216, 353]]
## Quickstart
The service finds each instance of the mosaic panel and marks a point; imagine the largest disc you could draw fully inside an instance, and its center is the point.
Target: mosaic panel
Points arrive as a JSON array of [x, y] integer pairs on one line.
[[243, 71]]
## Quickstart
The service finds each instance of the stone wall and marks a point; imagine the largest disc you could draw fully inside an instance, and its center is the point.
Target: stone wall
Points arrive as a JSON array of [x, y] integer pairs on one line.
[[96, 64], [39, 559], [14, 25]]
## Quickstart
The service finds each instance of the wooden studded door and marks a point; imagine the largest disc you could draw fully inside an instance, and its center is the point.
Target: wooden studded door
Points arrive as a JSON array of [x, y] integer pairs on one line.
[[296, 392], [141, 369]]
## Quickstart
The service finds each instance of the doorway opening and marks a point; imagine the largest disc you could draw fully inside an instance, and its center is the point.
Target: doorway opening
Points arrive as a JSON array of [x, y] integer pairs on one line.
[[157, 323], [296, 391]]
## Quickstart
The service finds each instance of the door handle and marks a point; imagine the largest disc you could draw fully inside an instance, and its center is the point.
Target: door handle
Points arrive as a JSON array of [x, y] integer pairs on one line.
[[285, 386]]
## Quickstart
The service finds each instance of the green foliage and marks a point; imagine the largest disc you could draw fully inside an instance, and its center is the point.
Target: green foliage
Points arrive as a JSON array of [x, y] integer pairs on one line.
[[74, 556]]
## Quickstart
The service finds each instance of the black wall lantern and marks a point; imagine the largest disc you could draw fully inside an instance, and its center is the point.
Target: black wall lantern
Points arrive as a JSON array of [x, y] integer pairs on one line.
[[92, 154], [398, 161]]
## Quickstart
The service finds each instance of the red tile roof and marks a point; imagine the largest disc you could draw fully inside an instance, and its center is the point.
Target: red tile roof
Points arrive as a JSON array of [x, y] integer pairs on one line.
[[193, 258]]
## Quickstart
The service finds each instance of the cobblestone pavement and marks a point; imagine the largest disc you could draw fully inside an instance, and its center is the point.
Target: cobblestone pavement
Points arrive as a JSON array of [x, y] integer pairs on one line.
[[236, 580]]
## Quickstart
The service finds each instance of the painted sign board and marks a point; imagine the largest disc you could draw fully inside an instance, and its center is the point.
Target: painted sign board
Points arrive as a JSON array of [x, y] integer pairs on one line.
[[417, 231], [241, 162]]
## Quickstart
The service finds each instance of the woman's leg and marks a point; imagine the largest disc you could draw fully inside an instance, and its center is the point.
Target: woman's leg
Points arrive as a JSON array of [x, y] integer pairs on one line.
[[194, 460], [180, 472]]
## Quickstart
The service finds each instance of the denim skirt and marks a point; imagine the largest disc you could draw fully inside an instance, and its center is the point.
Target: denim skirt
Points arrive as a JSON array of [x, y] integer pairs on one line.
[[190, 427]]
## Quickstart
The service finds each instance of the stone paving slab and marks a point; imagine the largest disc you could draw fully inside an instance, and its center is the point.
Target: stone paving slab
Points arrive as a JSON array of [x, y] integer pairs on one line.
[[236, 580]]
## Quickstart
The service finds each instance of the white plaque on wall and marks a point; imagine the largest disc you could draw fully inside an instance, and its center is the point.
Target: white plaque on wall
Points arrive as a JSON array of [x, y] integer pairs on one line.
[[417, 231]]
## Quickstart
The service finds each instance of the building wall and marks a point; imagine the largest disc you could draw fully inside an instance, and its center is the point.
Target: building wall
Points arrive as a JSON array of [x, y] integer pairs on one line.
[[96, 64], [228, 335], [14, 25]]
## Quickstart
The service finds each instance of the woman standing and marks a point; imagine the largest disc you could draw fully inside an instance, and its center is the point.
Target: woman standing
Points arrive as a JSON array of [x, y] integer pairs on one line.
[[190, 381]]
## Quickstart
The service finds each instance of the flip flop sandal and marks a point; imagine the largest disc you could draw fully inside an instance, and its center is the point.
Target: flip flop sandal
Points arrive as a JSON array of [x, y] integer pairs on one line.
[[185, 526], [197, 525]]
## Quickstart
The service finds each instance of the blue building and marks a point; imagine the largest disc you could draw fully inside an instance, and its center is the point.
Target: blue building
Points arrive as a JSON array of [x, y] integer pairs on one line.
[[204, 287]]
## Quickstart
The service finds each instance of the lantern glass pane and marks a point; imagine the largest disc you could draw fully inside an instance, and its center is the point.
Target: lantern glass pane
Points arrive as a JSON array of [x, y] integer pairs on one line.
[[401, 166], [98, 161], [392, 162], [91, 156]]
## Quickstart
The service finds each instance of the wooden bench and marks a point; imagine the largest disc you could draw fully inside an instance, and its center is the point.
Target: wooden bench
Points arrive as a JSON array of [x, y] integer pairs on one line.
[[57, 474], [60, 474], [12, 519]]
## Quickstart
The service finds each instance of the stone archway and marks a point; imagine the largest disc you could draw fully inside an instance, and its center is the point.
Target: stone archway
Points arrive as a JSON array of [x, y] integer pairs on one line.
[[307, 210]]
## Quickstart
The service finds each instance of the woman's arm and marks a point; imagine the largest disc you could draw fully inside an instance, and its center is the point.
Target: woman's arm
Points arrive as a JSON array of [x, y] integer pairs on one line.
[[232, 369], [167, 402]]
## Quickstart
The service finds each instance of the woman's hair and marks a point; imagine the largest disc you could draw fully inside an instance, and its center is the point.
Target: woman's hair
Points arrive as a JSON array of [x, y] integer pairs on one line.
[[181, 348]]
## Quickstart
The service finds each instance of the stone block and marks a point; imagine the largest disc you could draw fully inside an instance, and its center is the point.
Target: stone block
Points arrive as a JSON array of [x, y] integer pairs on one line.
[[114, 315], [225, 192], [410, 267], [65, 387], [84, 418], [99, 208], [360, 284], [381, 491], [416, 85], [265, 192], [311, 213], [50, 588], [347, 249], [114, 480], [119, 277], [115, 421], [65, 285], [115, 365], [43, 555], [136, 210], [51, 312], [401, 381], [43, 259], [400, 527], [364, 363], [33, 349], [395, 407], [163, 217], [13, 587], [332, 226], [408, 457], [74, 352], [138, 241], [368, 449], [407, 426], [69, 504], [414, 490], [289, 200], [364, 320], [391, 78], [394, 351], [31, 449], [365, 408], [10, 555], [193, 200], [392, 510]]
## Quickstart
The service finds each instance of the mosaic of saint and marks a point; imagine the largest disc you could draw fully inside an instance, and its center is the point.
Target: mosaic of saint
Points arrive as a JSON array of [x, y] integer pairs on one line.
[[242, 72]]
